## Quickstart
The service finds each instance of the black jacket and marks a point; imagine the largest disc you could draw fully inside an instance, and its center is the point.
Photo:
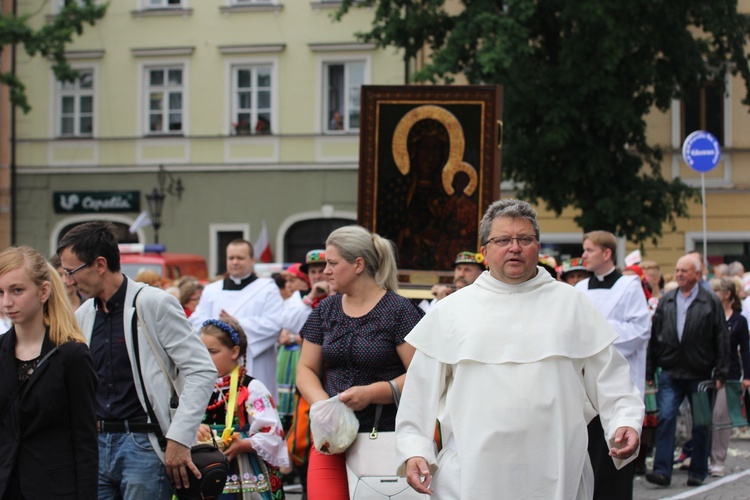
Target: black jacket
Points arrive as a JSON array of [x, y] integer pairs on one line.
[[49, 432], [705, 341]]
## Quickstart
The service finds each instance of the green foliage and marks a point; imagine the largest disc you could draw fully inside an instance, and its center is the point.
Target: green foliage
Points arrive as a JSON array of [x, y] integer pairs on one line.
[[579, 79], [48, 41]]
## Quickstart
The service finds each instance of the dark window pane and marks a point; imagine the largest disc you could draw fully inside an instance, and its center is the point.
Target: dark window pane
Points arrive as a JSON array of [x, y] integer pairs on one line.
[[87, 104], [243, 78], [155, 123], [714, 112], [87, 80], [156, 77], [264, 99], [68, 105], [155, 101], [87, 125], [175, 100], [245, 100], [175, 77], [66, 125], [175, 121], [264, 77], [263, 125], [335, 91]]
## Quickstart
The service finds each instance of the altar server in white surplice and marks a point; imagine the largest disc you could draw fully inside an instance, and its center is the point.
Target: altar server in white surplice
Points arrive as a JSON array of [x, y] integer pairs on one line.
[[255, 303], [513, 367], [621, 300]]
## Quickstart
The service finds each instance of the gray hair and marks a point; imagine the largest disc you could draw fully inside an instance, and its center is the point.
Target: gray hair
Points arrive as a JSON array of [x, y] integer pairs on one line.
[[695, 259], [720, 270], [515, 209], [377, 252], [735, 269]]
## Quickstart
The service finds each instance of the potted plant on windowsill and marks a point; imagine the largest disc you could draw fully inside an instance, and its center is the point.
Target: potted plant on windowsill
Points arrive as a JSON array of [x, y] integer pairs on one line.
[[242, 128]]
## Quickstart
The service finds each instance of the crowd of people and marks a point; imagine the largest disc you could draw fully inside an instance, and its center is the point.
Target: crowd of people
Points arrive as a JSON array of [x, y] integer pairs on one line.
[[108, 382]]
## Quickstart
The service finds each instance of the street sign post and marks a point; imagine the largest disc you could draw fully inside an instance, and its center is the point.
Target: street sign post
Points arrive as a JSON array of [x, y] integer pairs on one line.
[[702, 152]]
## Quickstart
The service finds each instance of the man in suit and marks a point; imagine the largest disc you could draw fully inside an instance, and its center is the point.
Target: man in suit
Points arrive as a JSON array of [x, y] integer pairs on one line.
[[132, 462]]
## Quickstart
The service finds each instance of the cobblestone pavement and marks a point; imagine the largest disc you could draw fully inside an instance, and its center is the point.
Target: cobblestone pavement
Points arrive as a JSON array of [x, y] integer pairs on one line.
[[734, 486]]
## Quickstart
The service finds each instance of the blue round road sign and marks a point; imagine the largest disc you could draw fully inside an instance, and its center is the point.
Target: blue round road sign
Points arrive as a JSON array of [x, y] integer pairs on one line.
[[701, 151]]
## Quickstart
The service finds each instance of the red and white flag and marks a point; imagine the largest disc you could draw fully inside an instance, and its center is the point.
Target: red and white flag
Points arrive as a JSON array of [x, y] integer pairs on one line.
[[262, 246]]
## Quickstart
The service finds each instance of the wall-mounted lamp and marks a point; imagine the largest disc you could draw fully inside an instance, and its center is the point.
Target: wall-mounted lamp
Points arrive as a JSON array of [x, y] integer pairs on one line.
[[155, 199]]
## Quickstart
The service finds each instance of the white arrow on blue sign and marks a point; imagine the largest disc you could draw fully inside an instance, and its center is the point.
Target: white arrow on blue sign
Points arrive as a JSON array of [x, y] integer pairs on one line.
[[701, 151]]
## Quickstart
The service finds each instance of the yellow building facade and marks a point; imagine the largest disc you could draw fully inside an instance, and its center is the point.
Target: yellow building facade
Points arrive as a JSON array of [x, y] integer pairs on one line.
[[250, 109]]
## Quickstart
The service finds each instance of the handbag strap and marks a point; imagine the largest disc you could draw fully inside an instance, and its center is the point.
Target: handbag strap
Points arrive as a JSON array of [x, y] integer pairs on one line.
[[379, 408], [150, 341], [149, 409], [396, 392]]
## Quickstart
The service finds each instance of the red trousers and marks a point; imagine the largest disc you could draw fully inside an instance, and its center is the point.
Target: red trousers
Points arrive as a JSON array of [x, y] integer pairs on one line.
[[326, 477]]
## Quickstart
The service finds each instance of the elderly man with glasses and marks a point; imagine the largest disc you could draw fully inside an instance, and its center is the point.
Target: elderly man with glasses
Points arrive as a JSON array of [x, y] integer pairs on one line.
[[513, 368]]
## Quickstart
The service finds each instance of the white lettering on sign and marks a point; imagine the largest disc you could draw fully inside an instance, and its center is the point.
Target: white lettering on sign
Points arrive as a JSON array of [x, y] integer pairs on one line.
[[702, 152], [113, 202], [69, 202]]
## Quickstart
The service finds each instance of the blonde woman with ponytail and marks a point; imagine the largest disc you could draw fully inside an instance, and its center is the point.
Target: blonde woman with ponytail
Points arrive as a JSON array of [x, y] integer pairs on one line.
[[48, 438], [354, 344]]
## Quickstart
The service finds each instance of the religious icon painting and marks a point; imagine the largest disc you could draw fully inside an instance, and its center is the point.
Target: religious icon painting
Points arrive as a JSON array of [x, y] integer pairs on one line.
[[429, 167]]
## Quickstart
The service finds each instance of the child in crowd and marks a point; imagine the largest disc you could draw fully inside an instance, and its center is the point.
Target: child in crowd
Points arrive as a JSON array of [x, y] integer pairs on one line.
[[255, 445]]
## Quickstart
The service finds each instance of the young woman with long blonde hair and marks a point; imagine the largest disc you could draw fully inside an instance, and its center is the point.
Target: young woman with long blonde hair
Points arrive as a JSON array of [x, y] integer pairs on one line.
[[48, 437]]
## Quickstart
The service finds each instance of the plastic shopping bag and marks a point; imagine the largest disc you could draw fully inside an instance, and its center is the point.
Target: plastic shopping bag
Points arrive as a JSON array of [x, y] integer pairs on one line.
[[334, 426]]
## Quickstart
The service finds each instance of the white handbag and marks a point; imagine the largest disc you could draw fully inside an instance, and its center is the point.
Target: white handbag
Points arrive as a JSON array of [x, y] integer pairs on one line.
[[371, 464]]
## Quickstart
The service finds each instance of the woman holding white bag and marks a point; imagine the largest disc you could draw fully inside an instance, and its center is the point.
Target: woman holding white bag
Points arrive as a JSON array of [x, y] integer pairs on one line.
[[354, 344]]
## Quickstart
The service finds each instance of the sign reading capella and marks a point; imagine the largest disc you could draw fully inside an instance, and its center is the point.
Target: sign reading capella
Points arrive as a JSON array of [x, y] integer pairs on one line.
[[77, 202]]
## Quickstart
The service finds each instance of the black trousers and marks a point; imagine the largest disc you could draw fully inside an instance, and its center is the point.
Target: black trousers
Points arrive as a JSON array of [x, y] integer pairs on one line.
[[609, 483]]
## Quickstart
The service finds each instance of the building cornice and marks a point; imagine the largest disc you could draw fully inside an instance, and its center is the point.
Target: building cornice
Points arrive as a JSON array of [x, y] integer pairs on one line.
[[161, 12], [263, 48], [163, 51], [269, 7], [340, 46], [74, 55]]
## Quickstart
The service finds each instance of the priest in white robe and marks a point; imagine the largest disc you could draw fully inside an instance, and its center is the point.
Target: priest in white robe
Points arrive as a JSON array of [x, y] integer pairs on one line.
[[513, 368], [621, 300], [255, 303]]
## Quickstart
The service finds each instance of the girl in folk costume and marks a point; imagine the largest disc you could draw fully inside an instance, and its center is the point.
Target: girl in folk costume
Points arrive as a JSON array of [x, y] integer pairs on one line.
[[48, 439], [243, 414]]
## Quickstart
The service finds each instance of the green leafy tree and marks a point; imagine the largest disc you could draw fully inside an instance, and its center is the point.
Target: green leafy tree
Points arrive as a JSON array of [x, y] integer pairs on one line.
[[579, 78], [48, 41]]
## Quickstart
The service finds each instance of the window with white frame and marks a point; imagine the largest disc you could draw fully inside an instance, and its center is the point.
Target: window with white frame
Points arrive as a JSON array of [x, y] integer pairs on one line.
[[161, 4], [76, 105], [164, 91], [252, 109], [249, 2], [341, 83]]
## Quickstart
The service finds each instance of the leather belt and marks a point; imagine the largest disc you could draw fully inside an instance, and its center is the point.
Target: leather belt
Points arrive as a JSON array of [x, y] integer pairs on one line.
[[137, 425]]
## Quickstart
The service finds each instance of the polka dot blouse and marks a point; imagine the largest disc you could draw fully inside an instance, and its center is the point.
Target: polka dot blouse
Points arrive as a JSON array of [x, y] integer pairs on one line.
[[362, 351]]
